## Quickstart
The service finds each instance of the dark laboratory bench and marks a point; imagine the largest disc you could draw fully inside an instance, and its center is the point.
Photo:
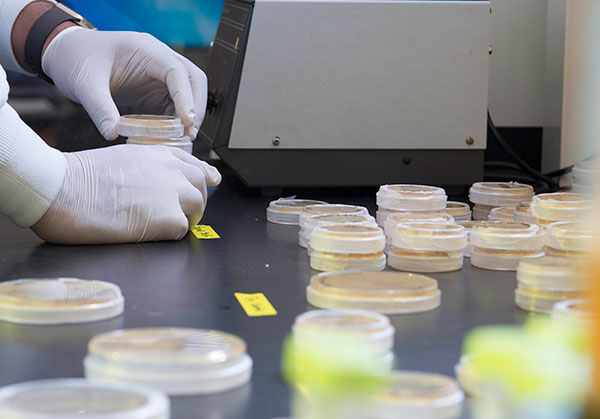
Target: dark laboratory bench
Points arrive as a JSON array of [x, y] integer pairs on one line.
[[191, 283]]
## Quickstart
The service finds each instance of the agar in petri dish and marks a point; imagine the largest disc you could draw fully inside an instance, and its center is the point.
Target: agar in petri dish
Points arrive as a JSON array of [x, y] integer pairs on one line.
[[178, 361], [331, 219], [502, 214], [458, 210], [488, 195], [330, 209], [59, 301], [570, 239], [561, 206], [80, 399], [150, 126], [287, 211], [382, 292], [411, 198], [183, 143]]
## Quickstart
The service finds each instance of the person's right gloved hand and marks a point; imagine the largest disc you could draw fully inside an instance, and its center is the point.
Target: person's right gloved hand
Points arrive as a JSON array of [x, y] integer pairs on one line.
[[127, 193]]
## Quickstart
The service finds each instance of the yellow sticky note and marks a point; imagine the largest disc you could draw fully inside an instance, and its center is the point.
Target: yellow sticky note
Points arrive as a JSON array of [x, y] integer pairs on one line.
[[255, 305], [204, 232]]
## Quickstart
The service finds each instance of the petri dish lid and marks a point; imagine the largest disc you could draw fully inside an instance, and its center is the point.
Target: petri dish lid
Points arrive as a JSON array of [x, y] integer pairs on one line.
[[396, 218], [150, 126], [329, 209], [500, 194], [502, 214], [81, 399], [287, 210], [59, 301], [348, 239], [579, 309], [168, 346], [561, 206], [411, 197], [430, 236], [413, 394], [570, 236], [553, 273], [506, 235]]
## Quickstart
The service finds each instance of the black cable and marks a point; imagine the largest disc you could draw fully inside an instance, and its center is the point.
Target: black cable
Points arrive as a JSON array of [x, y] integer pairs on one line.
[[560, 172]]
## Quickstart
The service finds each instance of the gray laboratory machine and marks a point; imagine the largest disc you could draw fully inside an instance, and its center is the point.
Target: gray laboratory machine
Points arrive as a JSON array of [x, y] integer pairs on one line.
[[350, 92]]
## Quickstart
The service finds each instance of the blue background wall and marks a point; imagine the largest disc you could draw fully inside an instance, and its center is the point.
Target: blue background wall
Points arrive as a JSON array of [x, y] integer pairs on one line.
[[191, 23]]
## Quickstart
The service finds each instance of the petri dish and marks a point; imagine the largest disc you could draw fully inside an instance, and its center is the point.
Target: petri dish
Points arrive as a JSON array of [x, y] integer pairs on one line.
[[523, 213], [412, 394], [183, 143], [287, 211], [576, 310], [458, 210], [348, 239], [569, 238], [368, 326], [382, 292], [468, 376], [406, 217], [326, 262], [150, 126], [331, 219], [59, 301], [586, 172], [468, 226], [502, 214], [561, 206], [329, 209], [500, 194], [79, 399], [382, 214], [411, 198], [178, 361]]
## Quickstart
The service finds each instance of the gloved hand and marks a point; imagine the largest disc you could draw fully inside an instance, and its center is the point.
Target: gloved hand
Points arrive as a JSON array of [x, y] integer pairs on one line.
[[87, 66], [127, 193]]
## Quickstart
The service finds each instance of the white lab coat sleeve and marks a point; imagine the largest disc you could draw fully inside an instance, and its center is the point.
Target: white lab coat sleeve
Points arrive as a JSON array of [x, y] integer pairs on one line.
[[31, 172], [9, 10]]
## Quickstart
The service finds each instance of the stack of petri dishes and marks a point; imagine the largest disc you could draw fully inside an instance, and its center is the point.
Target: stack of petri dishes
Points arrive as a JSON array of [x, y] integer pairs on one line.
[[408, 217], [585, 176], [499, 245], [488, 195], [383, 292], [579, 310], [427, 247], [59, 301], [154, 130], [411, 394], [502, 214], [341, 247], [544, 281], [523, 213], [332, 219], [177, 361], [80, 399], [570, 239], [287, 210], [468, 226], [560, 206], [403, 198], [329, 209], [458, 210]]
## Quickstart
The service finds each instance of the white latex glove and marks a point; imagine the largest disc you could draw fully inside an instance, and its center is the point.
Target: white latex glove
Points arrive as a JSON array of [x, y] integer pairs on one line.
[[127, 193], [87, 66]]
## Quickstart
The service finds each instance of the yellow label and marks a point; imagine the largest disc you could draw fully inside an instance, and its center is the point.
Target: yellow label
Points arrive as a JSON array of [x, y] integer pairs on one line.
[[204, 232], [255, 305]]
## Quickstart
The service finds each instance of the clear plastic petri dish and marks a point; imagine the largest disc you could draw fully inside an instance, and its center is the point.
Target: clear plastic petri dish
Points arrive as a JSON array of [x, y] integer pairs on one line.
[[59, 301], [183, 143], [368, 326], [382, 214], [569, 238], [411, 394], [458, 210], [561, 206], [502, 214], [468, 376], [331, 219], [287, 211], [523, 213], [327, 262], [499, 194], [330, 209], [411, 198], [81, 399], [580, 310], [348, 239], [150, 126], [406, 217], [178, 361], [383, 292], [468, 226]]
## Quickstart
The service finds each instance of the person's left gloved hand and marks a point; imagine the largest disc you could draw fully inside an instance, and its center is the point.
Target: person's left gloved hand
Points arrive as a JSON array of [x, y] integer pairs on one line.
[[137, 69]]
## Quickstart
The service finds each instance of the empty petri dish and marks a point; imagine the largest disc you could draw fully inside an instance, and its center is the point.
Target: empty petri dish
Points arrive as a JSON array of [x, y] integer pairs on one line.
[[412, 394], [569, 238], [59, 301], [561, 206], [178, 361], [368, 326], [287, 211], [458, 210], [411, 198], [80, 399], [523, 213], [499, 245], [427, 247], [184, 143], [383, 292], [544, 281], [576, 310], [331, 219], [150, 126], [502, 214], [329, 209]]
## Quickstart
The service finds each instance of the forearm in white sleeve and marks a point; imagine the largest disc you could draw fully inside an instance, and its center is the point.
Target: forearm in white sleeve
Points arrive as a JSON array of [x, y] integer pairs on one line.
[[9, 10], [31, 172]]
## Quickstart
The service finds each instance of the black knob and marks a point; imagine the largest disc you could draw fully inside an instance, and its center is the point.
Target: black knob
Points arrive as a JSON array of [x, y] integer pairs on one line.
[[213, 101]]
